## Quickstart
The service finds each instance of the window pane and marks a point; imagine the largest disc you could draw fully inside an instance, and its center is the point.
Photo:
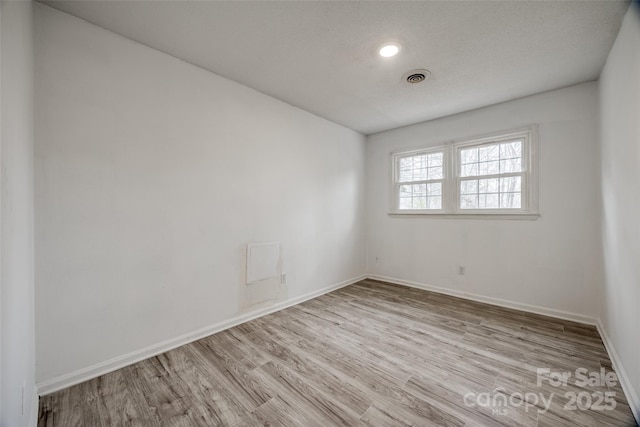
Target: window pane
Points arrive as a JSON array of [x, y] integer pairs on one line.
[[435, 173], [469, 187], [469, 155], [419, 174], [435, 159], [406, 175], [412, 196], [510, 201], [434, 189], [419, 203], [488, 153], [419, 189], [434, 202], [420, 196], [510, 165], [469, 170], [491, 193], [468, 201], [511, 150], [488, 201], [406, 163], [494, 159], [488, 168], [510, 184], [421, 167], [488, 185]]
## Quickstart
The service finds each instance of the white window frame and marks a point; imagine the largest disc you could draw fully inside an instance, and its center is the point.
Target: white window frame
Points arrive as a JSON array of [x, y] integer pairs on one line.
[[396, 181], [452, 178]]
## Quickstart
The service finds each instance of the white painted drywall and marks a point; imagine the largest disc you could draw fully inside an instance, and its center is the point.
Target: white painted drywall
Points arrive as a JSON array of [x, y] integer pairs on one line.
[[620, 146], [152, 175], [553, 262], [17, 344]]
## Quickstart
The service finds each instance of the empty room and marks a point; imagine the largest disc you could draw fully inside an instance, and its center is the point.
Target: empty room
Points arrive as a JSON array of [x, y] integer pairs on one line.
[[319, 213]]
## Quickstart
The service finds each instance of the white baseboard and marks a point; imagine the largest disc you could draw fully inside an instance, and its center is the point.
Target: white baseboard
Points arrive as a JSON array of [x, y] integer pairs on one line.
[[551, 312], [35, 406], [93, 371], [625, 382]]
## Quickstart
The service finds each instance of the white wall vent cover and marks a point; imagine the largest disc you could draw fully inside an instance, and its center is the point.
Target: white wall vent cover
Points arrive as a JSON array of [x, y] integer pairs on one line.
[[263, 261]]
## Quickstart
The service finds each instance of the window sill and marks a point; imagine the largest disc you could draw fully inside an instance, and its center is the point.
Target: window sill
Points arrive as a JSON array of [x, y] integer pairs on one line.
[[522, 216]]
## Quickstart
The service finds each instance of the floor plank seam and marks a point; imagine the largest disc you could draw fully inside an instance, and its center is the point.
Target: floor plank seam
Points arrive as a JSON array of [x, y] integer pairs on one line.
[[371, 353]]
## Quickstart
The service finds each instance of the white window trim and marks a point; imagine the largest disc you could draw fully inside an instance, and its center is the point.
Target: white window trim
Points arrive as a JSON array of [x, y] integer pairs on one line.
[[451, 187], [395, 184]]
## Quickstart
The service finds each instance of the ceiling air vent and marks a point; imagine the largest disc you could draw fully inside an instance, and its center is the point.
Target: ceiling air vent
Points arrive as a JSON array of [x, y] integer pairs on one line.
[[417, 76]]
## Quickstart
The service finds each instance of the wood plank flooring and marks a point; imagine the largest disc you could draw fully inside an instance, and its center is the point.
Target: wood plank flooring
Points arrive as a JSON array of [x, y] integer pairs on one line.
[[370, 354]]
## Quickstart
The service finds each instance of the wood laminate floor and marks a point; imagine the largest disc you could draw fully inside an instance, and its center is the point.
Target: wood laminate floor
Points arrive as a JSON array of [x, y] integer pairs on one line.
[[370, 354]]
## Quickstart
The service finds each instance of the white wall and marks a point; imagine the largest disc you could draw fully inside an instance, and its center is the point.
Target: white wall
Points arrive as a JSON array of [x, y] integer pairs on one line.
[[620, 136], [553, 262], [151, 177], [17, 343]]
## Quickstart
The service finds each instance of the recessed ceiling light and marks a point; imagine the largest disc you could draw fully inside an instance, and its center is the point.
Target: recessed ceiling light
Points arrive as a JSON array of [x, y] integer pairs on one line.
[[388, 50]]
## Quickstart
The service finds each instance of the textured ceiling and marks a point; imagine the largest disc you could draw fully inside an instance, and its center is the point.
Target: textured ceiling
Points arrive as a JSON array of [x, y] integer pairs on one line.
[[321, 55]]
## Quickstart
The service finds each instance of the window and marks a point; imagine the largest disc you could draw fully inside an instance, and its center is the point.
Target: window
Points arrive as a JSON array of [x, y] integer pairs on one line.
[[490, 175], [420, 180]]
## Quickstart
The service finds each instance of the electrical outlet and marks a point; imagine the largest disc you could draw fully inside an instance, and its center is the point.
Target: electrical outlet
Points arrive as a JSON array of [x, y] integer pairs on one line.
[[283, 278], [461, 270], [377, 260]]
